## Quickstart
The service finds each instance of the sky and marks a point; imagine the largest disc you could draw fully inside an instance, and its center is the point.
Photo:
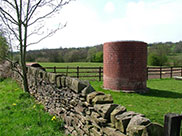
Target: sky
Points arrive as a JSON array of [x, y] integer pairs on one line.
[[94, 22]]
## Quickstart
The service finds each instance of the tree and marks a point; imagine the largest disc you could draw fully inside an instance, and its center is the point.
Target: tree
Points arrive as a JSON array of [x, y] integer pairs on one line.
[[3, 47], [157, 60], [98, 57], [25, 18], [72, 56], [178, 48], [158, 54]]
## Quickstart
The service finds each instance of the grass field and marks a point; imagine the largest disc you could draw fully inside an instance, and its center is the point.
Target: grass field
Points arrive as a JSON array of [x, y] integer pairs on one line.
[[165, 96], [20, 115]]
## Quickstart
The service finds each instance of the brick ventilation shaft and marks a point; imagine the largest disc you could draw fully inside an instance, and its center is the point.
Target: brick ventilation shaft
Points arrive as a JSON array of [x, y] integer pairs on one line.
[[125, 64]]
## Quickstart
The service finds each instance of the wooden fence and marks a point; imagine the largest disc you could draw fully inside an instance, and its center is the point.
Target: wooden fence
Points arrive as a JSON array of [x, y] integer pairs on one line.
[[96, 73], [92, 73], [163, 72]]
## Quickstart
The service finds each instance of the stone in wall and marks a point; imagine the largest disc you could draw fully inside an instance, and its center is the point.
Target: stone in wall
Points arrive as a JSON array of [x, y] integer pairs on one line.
[[102, 99], [92, 95], [77, 85], [58, 82], [123, 120], [117, 111], [112, 131], [136, 124], [52, 77], [63, 81], [152, 129], [105, 110], [138, 120], [98, 119], [87, 90], [5, 69]]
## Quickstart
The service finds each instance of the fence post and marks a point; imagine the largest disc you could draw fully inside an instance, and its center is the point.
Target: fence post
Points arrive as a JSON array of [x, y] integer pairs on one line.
[[172, 123], [171, 72], [77, 71], [147, 73], [67, 71], [160, 72], [54, 69], [100, 73]]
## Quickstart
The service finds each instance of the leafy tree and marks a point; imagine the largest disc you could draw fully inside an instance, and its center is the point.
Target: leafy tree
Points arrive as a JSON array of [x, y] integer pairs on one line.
[[178, 48], [98, 57], [25, 18], [72, 56], [92, 52], [158, 55], [156, 60]]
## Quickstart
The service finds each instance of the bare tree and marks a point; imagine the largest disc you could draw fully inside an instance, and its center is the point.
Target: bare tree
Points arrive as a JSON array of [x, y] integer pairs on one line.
[[25, 18]]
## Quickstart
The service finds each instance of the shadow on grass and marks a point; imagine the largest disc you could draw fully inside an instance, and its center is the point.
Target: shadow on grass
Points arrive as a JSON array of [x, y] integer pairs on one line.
[[163, 93]]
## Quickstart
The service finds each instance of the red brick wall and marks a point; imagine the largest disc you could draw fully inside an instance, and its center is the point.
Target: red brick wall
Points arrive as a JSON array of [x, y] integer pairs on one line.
[[125, 65]]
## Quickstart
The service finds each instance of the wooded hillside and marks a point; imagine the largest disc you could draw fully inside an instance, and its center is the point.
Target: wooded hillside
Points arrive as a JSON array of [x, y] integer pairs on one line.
[[87, 54]]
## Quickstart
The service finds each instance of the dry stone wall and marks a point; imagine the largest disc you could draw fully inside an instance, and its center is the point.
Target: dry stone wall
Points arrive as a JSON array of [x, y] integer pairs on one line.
[[5, 69], [86, 112]]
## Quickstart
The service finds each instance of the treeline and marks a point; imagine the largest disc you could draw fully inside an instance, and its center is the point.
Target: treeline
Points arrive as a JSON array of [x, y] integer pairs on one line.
[[159, 54], [165, 54], [87, 54]]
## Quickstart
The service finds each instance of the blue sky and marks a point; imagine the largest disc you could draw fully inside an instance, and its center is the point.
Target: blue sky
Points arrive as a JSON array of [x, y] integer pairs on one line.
[[92, 22]]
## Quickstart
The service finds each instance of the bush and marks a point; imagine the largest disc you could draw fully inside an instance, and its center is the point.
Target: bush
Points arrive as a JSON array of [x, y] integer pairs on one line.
[[98, 57], [158, 55], [155, 60]]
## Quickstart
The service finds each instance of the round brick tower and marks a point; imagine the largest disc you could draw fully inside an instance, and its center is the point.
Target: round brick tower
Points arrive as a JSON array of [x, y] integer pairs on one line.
[[125, 64]]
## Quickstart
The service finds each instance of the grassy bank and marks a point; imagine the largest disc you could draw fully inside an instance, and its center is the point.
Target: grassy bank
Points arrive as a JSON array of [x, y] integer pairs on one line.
[[20, 115], [165, 96]]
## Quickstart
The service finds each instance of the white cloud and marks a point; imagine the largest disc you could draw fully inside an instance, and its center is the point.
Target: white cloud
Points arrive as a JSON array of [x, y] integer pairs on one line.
[[155, 21], [109, 7], [83, 28], [151, 21]]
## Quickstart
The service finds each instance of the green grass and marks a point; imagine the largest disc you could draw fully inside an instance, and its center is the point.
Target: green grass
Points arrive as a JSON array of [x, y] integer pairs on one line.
[[165, 96], [20, 115]]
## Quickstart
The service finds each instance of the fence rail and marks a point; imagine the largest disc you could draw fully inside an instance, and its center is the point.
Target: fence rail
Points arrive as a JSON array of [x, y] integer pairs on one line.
[[96, 73], [79, 72], [163, 72]]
